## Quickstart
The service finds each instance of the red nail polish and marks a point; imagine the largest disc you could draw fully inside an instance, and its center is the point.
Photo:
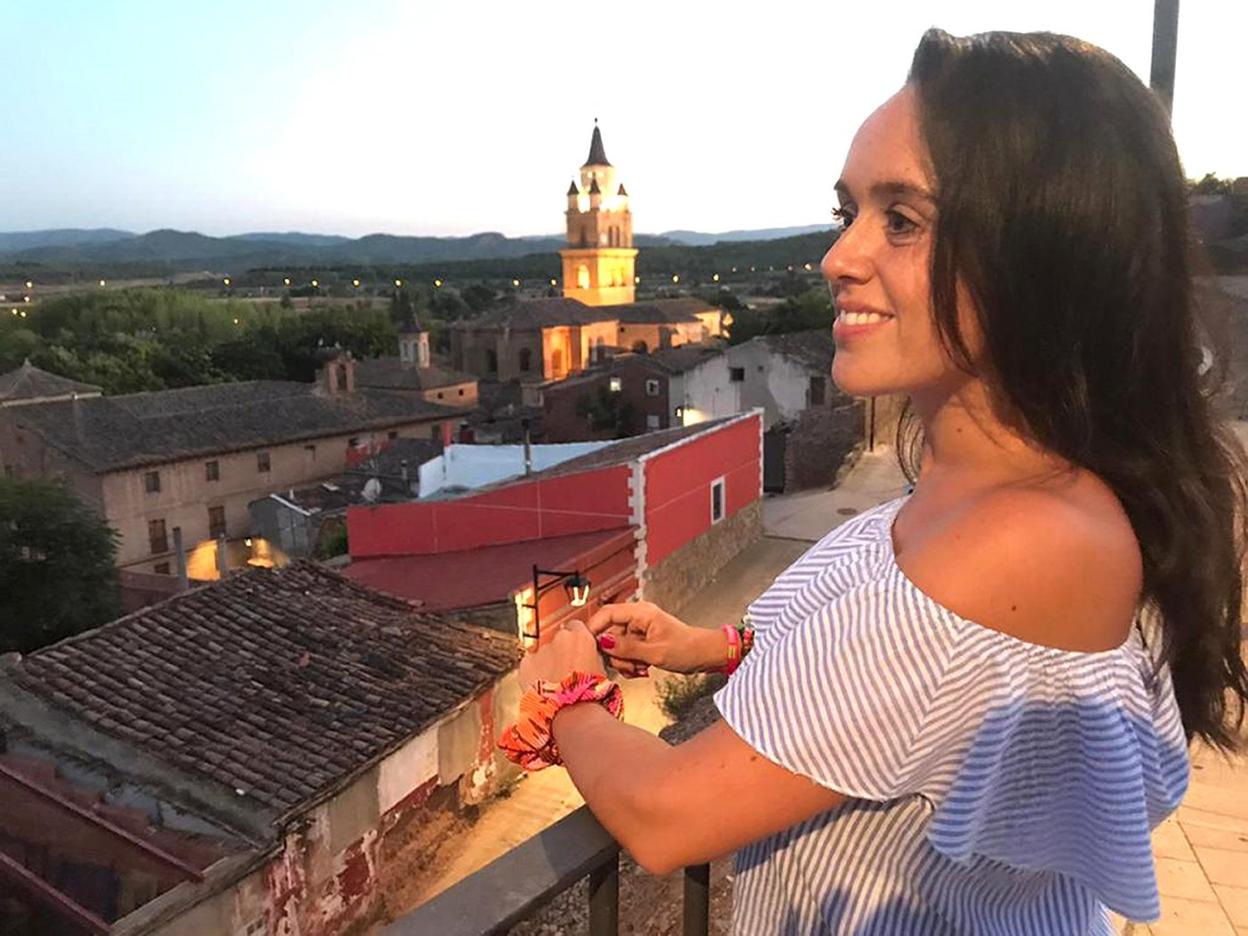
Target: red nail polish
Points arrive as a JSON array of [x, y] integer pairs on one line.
[[606, 641]]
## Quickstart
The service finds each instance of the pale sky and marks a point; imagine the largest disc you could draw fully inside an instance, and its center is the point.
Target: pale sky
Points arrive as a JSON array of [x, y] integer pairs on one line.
[[433, 117]]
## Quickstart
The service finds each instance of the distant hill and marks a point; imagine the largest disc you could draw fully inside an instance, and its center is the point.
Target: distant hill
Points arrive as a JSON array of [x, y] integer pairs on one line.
[[60, 237], [169, 251], [700, 239]]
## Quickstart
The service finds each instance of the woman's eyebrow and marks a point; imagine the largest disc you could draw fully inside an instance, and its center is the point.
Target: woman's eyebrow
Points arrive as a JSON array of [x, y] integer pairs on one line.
[[889, 188]]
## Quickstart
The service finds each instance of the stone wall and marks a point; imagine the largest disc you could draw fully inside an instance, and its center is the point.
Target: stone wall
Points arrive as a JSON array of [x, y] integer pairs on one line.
[[818, 443], [676, 579]]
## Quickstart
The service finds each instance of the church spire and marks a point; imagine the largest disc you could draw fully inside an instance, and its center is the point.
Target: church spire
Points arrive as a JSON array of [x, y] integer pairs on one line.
[[597, 154]]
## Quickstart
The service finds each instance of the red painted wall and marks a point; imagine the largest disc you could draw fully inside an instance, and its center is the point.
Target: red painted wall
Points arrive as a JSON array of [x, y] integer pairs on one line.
[[678, 485], [579, 503]]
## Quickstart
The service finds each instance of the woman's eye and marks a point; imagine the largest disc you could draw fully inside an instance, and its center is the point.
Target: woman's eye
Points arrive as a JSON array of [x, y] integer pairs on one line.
[[899, 223], [843, 216]]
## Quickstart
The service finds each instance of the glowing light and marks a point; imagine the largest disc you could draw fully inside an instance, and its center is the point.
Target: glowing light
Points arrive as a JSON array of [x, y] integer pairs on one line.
[[226, 281], [14, 311], [23, 313], [247, 541], [515, 282], [236, 321], [734, 269], [286, 280], [102, 283], [636, 280], [25, 298], [675, 278], [315, 284], [808, 268], [30, 285], [437, 284], [355, 283], [715, 277], [398, 284]]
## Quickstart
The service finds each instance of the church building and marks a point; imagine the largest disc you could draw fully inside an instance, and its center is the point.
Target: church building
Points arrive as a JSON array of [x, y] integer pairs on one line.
[[538, 340]]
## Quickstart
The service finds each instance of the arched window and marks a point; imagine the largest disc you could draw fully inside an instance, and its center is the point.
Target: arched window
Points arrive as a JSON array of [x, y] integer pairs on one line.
[[526, 359], [640, 347], [582, 277]]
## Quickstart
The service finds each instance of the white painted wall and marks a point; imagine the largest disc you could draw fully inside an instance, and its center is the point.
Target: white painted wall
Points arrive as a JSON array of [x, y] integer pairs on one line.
[[407, 769], [474, 466], [706, 392], [776, 383]]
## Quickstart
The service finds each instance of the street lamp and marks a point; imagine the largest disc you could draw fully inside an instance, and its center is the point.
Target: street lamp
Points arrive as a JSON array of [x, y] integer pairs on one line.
[[575, 584]]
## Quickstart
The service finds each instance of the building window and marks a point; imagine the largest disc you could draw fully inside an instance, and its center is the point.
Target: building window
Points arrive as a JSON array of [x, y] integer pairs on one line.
[[156, 537], [639, 347], [262, 462], [736, 374], [491, 361], [216, 522], [616, 384], [526, 360], [392, 434], [151, 482], [440, 394], [161, 568], [461, 391], [717, 500], [652, 387], [212, 471], [818, 387], [652, 421]]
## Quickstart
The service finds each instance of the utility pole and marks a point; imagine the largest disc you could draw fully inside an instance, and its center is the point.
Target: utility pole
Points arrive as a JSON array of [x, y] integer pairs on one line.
[[1165, 48]]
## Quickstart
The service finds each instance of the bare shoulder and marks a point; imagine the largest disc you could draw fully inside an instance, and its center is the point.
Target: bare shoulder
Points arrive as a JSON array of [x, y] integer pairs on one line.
[[1058, 569]]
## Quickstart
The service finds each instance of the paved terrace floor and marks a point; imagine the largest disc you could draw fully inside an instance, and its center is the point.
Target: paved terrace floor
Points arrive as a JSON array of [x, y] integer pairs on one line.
[[1201, 852]]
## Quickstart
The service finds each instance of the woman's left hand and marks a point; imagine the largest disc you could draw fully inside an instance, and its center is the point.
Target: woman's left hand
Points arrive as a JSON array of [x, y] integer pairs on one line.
[[572, 648]]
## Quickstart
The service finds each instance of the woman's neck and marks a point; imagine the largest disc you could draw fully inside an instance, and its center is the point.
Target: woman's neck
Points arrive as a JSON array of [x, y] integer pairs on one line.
[[969, 446]]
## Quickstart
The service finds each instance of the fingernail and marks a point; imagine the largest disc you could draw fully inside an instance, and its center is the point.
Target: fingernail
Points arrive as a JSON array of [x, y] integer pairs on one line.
[[606, 641]]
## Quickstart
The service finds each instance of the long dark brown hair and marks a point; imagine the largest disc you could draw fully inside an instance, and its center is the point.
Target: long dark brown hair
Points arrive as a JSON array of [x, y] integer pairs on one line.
[[1062, 207]]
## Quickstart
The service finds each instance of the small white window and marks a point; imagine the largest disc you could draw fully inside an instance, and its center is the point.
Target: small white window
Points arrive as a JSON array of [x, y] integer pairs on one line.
[[652, 387], [616, 385], [652, 420], [717, 500]]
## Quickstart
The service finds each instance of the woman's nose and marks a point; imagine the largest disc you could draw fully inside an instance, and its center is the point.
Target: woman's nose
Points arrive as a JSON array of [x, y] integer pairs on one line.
[[846, 259]]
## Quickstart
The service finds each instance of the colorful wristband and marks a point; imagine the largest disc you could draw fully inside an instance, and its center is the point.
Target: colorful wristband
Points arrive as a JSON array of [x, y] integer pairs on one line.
[[530, 742], [733, 659]]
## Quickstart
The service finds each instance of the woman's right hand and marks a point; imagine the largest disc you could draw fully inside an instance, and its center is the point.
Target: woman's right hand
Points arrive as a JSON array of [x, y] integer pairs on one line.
[[635, 635]]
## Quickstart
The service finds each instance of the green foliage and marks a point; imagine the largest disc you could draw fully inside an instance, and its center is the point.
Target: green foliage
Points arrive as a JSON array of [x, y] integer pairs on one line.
[[333, 544], [608, 411], [153, 339], [677, 694], [56, 565], [1209, 185], [812, 309]]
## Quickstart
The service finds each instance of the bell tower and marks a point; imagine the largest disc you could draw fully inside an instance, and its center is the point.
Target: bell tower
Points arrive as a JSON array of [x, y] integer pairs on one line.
[[598, 263]]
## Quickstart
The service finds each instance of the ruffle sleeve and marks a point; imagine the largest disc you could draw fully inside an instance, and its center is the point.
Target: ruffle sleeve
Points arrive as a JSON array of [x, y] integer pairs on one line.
[[1040, 758]]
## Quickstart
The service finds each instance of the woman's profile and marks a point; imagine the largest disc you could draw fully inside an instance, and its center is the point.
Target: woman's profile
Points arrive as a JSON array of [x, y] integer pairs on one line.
[[964, 710]]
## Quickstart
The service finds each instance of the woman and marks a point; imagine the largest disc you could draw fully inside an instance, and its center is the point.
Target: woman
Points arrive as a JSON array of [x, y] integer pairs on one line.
[[967, 707]]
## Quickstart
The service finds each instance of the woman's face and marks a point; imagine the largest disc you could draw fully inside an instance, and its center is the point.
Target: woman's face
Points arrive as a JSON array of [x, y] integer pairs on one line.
[[880, 263]]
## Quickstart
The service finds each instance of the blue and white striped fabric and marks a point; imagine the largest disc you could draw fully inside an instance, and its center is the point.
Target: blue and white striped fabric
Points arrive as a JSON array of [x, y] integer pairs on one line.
[[998, 786]]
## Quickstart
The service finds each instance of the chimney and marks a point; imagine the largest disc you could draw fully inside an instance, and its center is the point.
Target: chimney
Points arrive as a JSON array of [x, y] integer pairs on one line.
[[183, 581], [337, 374]]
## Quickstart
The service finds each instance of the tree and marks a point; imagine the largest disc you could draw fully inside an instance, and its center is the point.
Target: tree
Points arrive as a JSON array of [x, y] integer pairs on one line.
[[57, 574], [608, 411]]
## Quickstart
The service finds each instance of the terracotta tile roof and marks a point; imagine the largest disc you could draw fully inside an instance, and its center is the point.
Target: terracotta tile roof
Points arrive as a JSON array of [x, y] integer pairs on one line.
[[275, 682], [537, 313], [812, 349], [115, 432], [31, 383], [390, 373], [659, 311]]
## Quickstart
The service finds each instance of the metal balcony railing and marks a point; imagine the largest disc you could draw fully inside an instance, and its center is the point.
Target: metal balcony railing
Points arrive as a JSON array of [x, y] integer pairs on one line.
[[520, 882]]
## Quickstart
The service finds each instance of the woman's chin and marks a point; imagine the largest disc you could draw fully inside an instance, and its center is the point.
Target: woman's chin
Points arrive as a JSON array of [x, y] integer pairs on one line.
[[857, 382]]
